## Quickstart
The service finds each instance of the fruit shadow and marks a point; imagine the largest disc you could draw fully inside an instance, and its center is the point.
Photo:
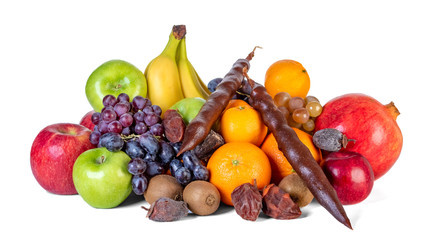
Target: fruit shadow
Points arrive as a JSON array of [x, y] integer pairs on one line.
[[222, 209], [132, 200]]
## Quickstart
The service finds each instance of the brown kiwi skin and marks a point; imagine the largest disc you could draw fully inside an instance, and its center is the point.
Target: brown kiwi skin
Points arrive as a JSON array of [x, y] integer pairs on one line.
[[163, 185], [202, 197], [297, 189]]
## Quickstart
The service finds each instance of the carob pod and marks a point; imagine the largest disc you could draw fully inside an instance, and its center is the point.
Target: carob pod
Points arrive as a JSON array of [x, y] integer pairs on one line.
[[296, 152], [199, 127]]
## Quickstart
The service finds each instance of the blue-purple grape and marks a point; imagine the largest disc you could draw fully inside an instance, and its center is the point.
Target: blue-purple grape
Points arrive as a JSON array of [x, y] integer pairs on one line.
[[134, 150], [96, 117], [139, 116], [176, 146], [157, 129], [166, 153], [212, 84], [112, 141], [190, 160], [139, 184], [126, 131], [151, 118], [174, 165], [115, 127], [138, 103], [150, 143], [94, 137], [108, 115], [123, 97], [126, 120], [137, 166], [121, 108], [200, 172], [109, 100], [157, 110], [183, 175], [102, 126], [150, 157], [154, 168], [140, 128]]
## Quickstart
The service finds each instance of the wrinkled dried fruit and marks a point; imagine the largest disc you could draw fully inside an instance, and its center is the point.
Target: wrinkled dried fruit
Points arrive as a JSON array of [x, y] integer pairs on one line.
[[211, 143], [278, 204], [247, 201], [174, 126], [167, 210], [330, 139]]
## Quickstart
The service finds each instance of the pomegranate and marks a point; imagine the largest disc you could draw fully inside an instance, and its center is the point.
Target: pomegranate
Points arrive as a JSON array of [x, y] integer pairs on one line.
[[371, 124]]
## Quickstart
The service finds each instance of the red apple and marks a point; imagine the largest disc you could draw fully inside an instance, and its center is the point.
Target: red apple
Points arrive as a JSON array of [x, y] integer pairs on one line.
[[87, 120], [351, 176], [371, 124], [53, 153]]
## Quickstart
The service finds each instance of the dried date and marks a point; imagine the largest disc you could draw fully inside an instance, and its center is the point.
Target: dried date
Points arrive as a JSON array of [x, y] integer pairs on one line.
[[174, 126], [247, 201], [278, 204], [167, 210], [206, 148]]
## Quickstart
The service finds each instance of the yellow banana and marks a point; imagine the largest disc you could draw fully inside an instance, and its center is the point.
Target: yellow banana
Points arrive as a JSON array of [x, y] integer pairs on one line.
[[189, 79], [201, 82], [164, 85]]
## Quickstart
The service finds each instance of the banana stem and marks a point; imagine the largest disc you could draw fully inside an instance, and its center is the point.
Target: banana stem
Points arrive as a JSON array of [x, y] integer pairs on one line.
[[177, 34]]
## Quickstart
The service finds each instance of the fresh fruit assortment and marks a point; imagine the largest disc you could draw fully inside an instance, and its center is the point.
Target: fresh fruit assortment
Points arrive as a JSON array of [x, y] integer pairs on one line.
[[186, 147]]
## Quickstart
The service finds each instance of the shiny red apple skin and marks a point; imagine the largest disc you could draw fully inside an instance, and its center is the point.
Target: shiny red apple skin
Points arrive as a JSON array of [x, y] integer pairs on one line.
[[53, 153], [371, 124], [351, 176], [87, 120]]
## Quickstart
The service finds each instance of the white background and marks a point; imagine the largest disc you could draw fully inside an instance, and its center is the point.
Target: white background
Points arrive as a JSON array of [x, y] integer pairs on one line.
[[49, 48]]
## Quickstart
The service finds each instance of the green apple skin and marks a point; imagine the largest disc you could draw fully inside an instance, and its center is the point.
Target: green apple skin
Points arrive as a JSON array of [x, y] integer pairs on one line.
[[188, 108], [101, 177], [114, 77]]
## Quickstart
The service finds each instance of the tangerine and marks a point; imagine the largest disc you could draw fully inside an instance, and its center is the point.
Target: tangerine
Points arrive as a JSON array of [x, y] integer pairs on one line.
[[280, 167], [287, 76], [243, 124], [236, 103], [236, 163]]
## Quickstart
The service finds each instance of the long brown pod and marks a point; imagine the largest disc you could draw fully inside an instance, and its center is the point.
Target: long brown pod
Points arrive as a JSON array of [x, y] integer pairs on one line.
[[297, 153], [199, 127]]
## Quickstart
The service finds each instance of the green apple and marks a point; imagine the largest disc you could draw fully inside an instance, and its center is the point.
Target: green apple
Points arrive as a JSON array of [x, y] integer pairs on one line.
[[188, 108], [101, 177], [114, 77]]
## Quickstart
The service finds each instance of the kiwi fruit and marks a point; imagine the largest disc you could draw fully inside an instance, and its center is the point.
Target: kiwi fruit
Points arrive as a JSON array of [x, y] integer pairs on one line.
[[202, 197], [163, 185], [297, 189]]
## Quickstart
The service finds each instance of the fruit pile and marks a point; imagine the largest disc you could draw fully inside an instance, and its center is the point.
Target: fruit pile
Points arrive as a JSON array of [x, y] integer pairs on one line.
[[186, 147]]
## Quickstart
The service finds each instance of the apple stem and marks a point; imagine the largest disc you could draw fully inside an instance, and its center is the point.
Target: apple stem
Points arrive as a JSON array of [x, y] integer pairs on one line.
[[101, 159]]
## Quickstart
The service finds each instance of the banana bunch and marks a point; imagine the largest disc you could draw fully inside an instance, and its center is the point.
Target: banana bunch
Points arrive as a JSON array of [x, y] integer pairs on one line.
[[170, 76]]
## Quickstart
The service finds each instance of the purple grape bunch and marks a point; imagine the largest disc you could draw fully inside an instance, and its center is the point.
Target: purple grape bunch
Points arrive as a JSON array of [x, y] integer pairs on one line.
[[136, 128], [122, 117]]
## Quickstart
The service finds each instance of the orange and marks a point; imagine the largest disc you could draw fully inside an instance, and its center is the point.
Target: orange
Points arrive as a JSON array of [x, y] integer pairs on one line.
[[236, 103], [243, 124], [236, 163], [287, 76], [280, 167]]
